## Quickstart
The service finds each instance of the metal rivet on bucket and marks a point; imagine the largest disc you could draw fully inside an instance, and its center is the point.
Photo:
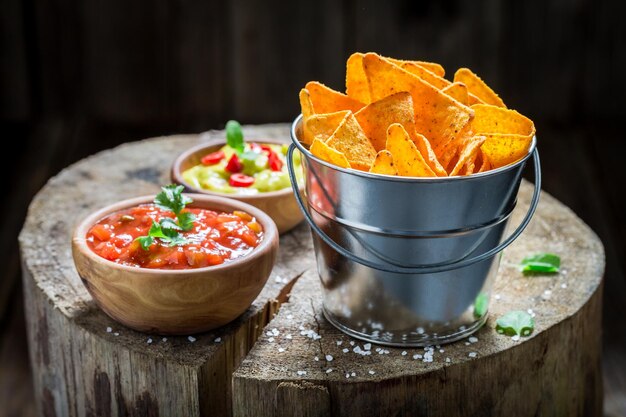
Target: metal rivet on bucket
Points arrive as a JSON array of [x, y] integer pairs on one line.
[[403, 260]]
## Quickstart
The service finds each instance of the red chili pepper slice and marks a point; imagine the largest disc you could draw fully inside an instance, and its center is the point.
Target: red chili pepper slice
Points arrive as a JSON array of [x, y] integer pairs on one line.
[[255, 147], [212, 158], [267, 148], [234, 164], [240, 180], [275, 163]]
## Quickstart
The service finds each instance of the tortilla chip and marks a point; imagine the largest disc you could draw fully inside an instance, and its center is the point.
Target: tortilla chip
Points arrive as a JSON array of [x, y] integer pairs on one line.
[[376, 117], [350, 140], [408, 160], [472, 147], [327, 100], [486, 165], [430, 66], [322, 126], [457, 91], [477, 87], [437, 116], [492, 119], [306, 107], [505, 149], [356, 83], [328, 154], [383, 164], [426, 75], [423, 145]]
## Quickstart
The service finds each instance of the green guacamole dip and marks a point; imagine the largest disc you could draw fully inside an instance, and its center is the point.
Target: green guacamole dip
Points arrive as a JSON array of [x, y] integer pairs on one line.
[[215, 177]]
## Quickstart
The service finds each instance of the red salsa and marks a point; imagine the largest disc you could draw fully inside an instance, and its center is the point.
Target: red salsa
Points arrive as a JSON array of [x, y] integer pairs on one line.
[[216, 237]]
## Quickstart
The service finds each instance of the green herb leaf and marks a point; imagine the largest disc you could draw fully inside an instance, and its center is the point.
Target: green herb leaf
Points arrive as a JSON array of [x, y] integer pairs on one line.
[[145, 242], [516, 323], [541, 262], [234, 136], [171, 198], [167, 223], [185, 220], [480, 305]]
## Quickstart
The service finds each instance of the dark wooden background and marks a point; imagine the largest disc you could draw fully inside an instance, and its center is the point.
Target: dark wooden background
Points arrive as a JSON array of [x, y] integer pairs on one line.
[[80, 76]]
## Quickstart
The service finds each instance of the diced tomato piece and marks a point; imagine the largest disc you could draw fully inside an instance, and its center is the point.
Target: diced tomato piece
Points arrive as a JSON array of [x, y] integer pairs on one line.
[[224, 218], [250, 238], [275, 163], [255, 227], [100, 232], [234, 164], [212, 158], [240, 180], [110, 252], [176, 257], [242, 215]]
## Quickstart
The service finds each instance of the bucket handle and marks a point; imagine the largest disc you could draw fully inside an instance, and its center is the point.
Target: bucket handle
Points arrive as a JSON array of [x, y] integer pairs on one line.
[[428, 269]]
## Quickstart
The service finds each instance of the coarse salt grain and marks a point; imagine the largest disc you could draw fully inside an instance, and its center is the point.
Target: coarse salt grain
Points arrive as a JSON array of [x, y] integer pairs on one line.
[[271, 340], [191, 339], [472, 354], [404, 353], [515, 338], [149, 340], [288, 336], [218, 339], [109, 330], [346, 350], [289, 316], [116, 334], [300, 373], [367, 346], [275, 332], [281, 350], [564, 285], [347, 375], [447, 359], [472, 339], [371, 372], [351, 342], [339, 342], [497, 296], [329, 358], [417, 356], [316, 359], [164, 339], [329, 370], [353, 374]]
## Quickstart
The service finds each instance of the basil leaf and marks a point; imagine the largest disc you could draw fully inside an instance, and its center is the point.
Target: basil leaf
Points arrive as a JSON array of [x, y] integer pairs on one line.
[[234, 136], [480, 305], [541, 262], [516, 323]]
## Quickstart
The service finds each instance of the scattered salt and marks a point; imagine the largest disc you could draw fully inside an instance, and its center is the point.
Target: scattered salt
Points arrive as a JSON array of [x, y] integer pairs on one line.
[[371, 372], [217, 339], [109, 330], [289, 316], [447, 359], [367, 346], [347, 375], [472, 354], [164, 339], [420, 330], [441, 350], [404, 353], [353, 374], [351, 342], [116, 334], [564, 285], [271, 340], [301, 373], [275, 332], [346, 350], [472, 339], [497, 296], [329, 370], [329, 358], [467, 343], [149, 340], [515, 338], [281, 350], [417, 356], [339, 342], [191, 339], [288, 336], [316, 359]]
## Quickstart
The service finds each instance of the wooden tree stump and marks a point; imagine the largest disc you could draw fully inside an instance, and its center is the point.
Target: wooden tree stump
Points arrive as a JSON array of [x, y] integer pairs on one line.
[[554, 372], [84, 363]]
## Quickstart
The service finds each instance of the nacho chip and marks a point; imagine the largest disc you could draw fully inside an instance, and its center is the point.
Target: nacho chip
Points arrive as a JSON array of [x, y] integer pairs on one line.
[[437, 116], [328, 154], [457, 91], [472, 146], [383, 164], [423, 73], [376, 117], [492, 119], [322, 126], [503, 149], [408, 160], [327, 100], [430, 66], [306, 107], [350, 140], [356, 83], [486, 165], [477, 87]]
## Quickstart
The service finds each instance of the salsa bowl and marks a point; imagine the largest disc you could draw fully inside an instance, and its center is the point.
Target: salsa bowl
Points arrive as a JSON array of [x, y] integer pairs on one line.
[[280, 205], [176, 301]]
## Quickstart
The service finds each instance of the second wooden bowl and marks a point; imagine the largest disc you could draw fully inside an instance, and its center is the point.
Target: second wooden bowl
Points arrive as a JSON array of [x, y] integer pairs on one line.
[[280, 205], [182, 301]]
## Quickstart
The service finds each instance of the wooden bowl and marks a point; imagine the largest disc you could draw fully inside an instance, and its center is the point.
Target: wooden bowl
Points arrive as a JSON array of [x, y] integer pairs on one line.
[[176, 301], [280, 205]]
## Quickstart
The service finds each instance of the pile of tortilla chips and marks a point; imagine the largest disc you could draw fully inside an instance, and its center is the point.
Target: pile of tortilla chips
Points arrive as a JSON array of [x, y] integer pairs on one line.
[[404, 118]]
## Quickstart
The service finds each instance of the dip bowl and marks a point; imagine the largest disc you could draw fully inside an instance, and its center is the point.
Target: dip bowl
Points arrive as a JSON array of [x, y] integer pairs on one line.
[[181, 301], [280, 205]]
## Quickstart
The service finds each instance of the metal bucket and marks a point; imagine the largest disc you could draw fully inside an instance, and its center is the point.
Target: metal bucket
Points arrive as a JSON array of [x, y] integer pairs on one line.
[[403, 261]]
